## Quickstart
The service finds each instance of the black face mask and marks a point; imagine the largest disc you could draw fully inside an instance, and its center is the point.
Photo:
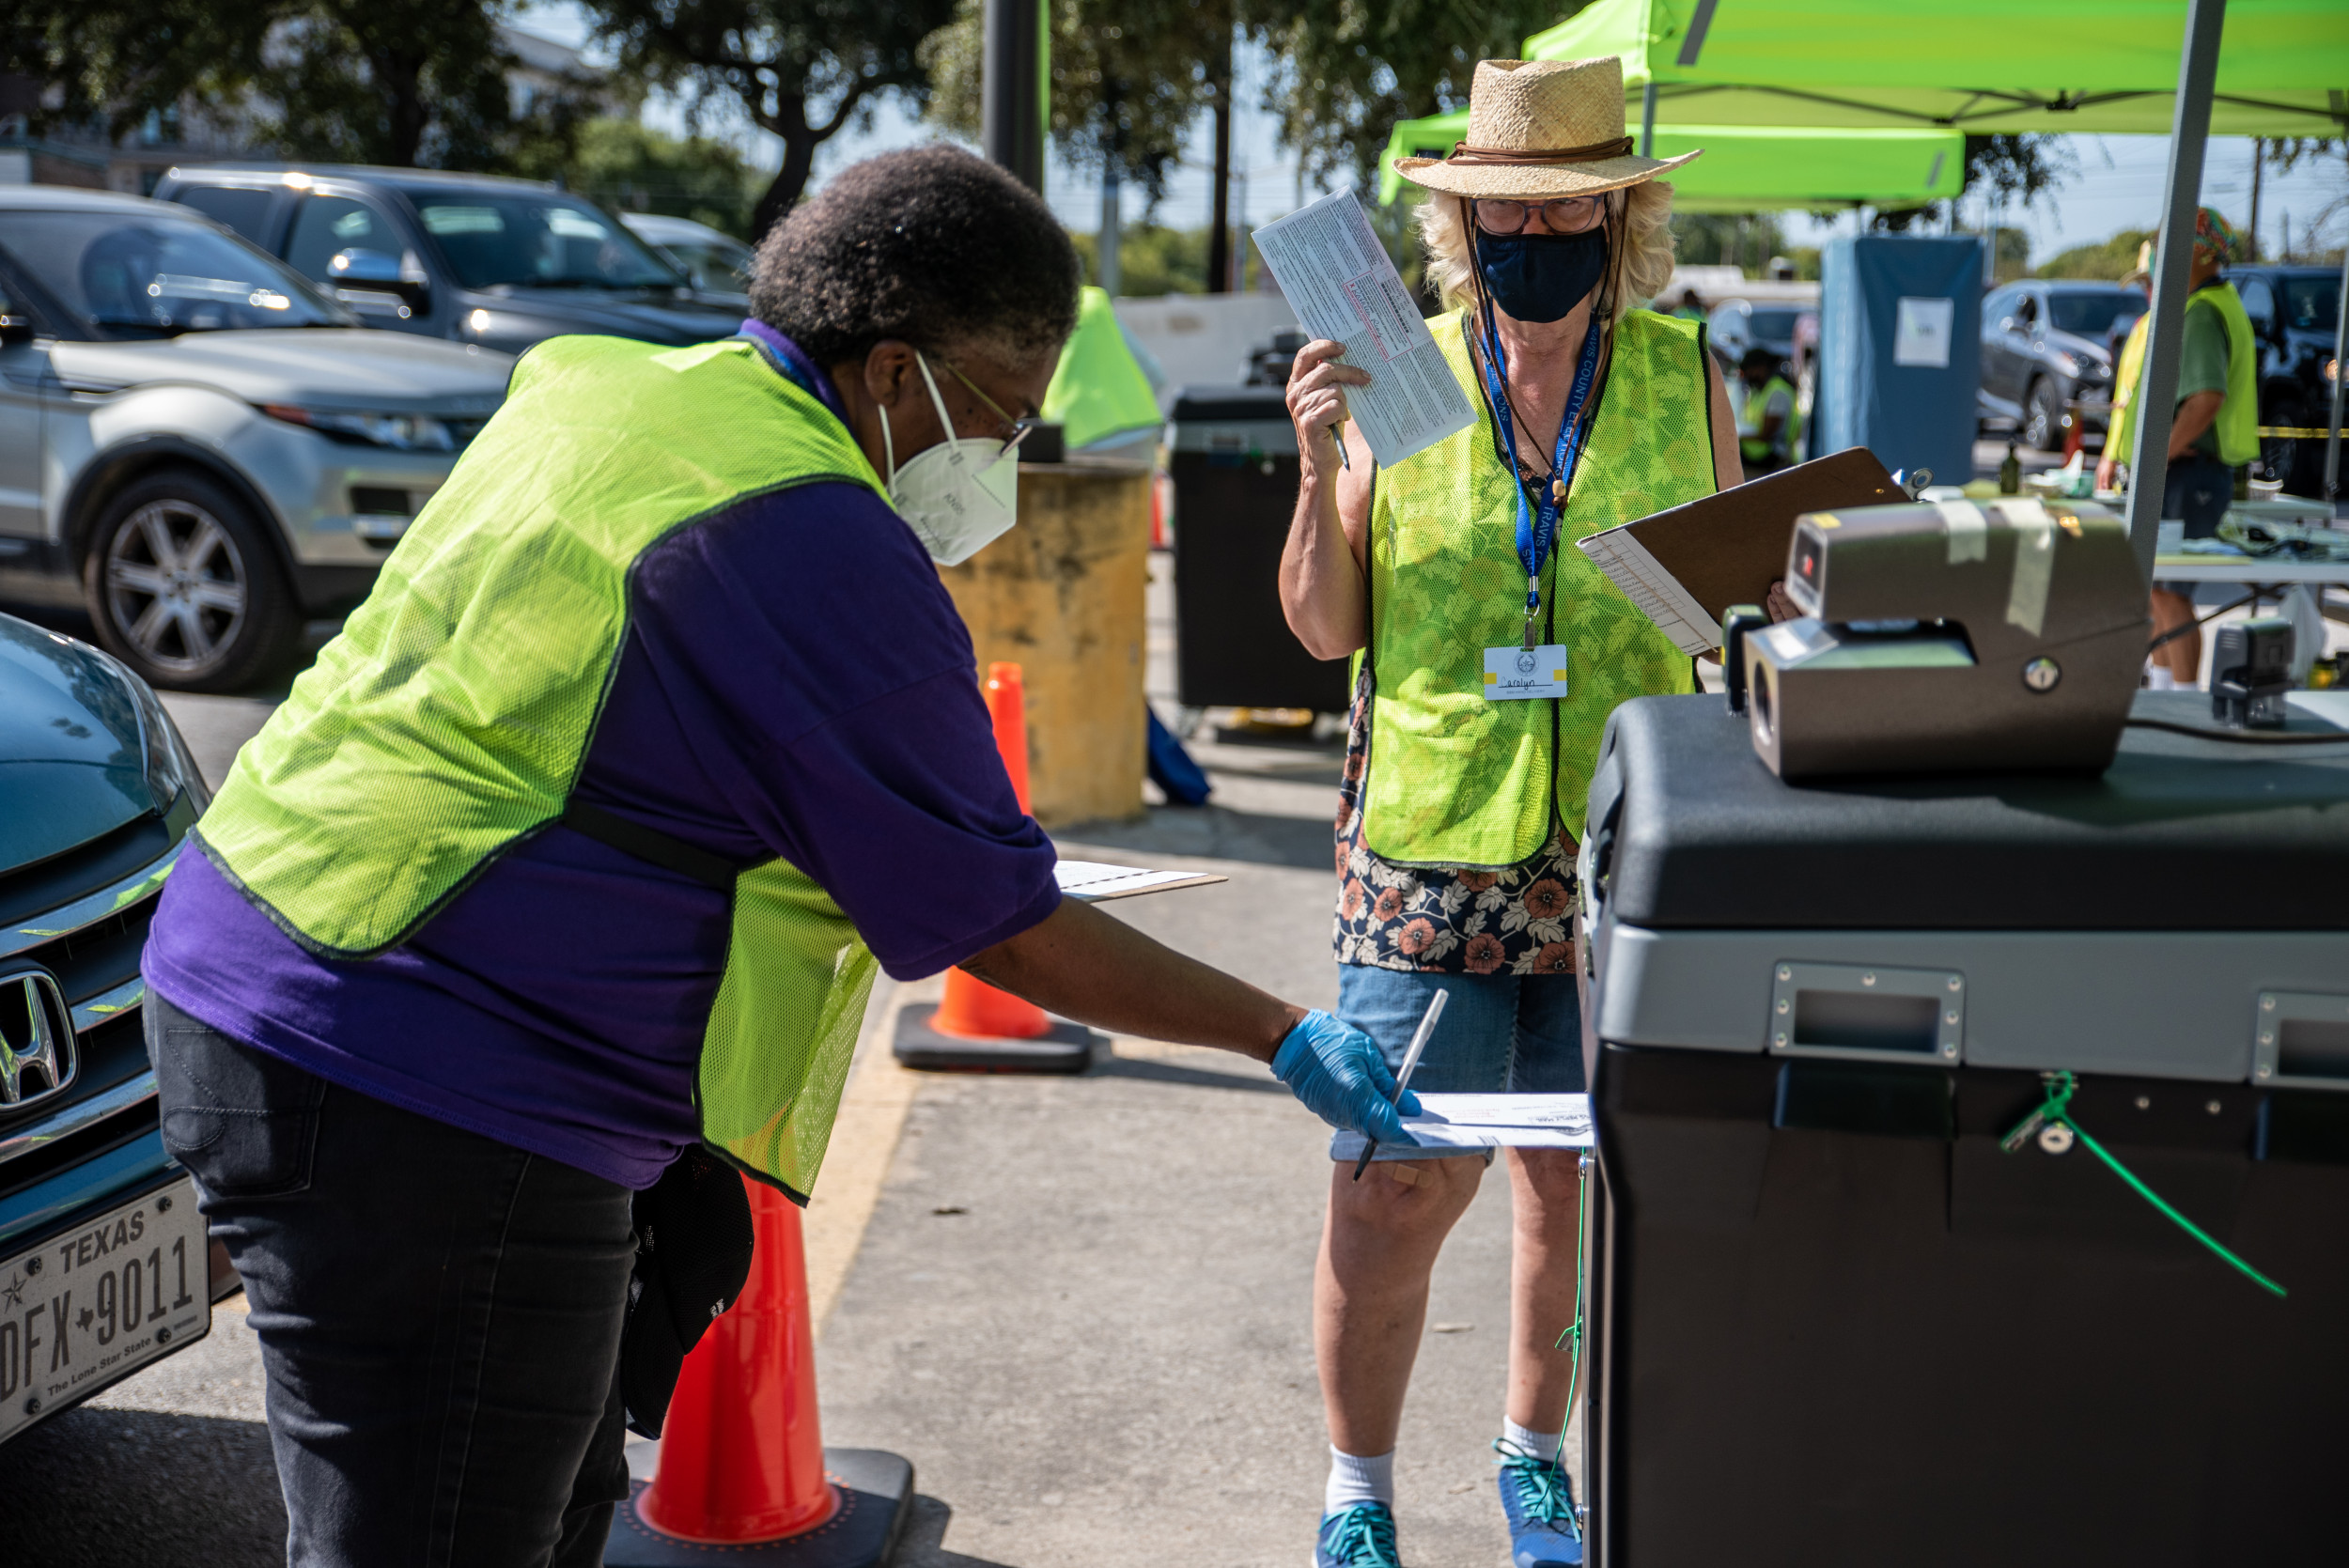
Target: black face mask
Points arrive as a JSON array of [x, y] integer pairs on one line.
[[1539, 277]]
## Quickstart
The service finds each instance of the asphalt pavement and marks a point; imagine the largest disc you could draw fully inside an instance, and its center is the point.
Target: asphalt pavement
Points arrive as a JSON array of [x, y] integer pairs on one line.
[[1079, 1305]]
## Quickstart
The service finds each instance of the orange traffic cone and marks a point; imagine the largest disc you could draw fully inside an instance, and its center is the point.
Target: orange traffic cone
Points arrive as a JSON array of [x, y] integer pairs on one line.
[[743, 1459], [978, 1028]]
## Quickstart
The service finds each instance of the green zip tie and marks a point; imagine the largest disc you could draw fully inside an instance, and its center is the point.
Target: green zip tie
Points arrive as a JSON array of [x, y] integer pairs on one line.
[[2056, 1110]]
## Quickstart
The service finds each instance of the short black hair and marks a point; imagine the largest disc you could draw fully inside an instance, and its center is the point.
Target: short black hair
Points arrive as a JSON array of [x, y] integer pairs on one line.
[[1761, 357], [930, 245]]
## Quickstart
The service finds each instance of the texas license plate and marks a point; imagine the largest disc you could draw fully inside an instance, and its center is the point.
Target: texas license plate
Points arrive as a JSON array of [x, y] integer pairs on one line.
[[93, 1305]]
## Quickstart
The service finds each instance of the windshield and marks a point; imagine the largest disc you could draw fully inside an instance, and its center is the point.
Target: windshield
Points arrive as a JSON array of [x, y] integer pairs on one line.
[[1774, 326], [119, 275], [716, 265], [534, 240], [2311, 305], [2092, 314]]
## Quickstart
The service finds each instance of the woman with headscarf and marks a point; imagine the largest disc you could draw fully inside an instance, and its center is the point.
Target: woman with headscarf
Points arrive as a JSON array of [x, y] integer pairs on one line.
[[1492, 652]]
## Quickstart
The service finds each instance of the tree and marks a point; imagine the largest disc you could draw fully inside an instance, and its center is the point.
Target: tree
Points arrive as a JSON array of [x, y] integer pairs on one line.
[[112, 63], [629, 167], [1346, 71], [801, 70]]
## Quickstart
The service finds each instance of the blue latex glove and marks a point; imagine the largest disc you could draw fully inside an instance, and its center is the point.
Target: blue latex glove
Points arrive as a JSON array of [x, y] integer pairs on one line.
[[1335, 1069]]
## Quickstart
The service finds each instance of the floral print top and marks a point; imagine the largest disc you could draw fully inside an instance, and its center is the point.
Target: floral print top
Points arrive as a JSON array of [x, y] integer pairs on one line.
[[1518, 921]]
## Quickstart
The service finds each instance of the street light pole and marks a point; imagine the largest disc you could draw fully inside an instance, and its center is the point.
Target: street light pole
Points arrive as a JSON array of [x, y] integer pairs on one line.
[[1015, 94], [2173, 266]]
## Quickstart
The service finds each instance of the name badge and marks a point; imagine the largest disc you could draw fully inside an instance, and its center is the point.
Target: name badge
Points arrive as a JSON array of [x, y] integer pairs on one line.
[[1513, 674]]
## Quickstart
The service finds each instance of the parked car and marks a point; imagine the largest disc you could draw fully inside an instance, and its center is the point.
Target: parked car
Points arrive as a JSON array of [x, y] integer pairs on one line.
[[104, 1265], [501, 263], [1737, 325], [194, 444], [715, 263], [2294, 312], [2046, 342]]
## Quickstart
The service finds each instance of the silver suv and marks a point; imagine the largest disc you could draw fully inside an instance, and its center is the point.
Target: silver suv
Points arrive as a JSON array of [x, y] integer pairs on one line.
[[195, 443]]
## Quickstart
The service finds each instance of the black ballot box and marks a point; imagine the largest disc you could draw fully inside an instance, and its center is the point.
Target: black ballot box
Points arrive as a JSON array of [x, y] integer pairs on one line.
[[1835, 1321], [1233, 458]]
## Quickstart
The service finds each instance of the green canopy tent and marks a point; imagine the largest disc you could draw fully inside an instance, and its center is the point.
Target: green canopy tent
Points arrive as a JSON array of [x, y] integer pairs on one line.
[[2269, 67], [1753, 169], [1981, 66]]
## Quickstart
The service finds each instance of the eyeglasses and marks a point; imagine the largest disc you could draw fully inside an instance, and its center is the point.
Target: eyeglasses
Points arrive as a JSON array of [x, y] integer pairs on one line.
[[1019, 428], [1562, 215]]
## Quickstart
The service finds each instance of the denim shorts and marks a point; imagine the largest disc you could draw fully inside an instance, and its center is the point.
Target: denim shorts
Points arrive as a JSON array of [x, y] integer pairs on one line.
[[1500, 1034]]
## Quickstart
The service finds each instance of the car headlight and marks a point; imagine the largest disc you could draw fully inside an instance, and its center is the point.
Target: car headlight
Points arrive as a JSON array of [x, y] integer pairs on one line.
[[2068, 363], [404, 432]]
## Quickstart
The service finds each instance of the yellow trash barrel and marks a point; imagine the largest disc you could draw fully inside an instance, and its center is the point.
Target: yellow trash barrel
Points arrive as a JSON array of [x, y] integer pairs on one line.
[[1061, 596]]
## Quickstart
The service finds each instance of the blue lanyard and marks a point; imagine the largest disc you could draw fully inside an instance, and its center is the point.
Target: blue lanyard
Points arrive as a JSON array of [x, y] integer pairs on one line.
[[1537, 527]]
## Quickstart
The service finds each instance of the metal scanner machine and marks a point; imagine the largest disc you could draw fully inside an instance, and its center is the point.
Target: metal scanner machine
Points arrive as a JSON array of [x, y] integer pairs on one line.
[[1830, 959]]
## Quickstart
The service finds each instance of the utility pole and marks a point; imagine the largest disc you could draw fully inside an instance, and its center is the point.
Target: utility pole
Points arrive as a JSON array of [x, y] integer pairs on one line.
[[2258, 150], [1016, 87], [1219, 225]]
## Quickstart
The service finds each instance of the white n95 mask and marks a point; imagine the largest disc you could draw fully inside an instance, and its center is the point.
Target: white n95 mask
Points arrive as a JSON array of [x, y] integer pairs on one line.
[[958, 496]]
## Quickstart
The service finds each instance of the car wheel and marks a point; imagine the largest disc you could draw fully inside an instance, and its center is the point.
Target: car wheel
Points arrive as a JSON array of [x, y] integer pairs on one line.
[[2043, 417], [185, 586]]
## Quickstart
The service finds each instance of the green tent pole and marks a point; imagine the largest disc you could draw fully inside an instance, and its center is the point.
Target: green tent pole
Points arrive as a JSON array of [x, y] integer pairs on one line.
[[2340, 375], [2156, 402]]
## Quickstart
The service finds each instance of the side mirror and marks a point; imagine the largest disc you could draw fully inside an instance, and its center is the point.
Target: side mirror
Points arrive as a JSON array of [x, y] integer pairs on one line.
[[361, 268], [15, 326]]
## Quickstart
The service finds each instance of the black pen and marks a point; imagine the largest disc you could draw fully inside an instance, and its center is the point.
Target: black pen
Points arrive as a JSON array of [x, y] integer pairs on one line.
[[1403, 1078]]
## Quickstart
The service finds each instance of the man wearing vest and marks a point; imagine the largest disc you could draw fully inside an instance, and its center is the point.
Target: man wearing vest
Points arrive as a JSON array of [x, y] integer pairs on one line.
[[1767, 426], [580, 847], [1491, 652], [2214, 432]]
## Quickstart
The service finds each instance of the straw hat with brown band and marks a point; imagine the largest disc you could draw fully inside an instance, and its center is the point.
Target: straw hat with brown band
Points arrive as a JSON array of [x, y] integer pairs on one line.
[[1539, 129]]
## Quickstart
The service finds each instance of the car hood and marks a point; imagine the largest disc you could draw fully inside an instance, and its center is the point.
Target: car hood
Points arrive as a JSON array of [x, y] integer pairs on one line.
[[71, 764], [652, 318], [2081, 348], [316, 367]]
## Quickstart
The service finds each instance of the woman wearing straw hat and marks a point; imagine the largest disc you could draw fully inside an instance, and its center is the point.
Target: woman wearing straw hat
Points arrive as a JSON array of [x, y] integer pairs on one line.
[[1458, 811]]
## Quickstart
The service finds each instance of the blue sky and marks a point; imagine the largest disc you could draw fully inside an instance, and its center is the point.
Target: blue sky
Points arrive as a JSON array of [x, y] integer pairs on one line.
[[2115, 182]]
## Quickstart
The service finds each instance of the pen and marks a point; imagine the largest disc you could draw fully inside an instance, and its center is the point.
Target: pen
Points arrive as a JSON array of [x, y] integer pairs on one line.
[[1344, 461], [1403, 1078]]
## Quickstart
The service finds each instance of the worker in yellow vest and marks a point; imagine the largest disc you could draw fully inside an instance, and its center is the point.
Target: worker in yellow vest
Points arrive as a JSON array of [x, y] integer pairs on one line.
[[2216, 429], [1768, 423], [1489, 653]]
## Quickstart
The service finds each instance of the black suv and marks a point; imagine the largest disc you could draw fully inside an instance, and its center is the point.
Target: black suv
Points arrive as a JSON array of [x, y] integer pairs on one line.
[[499, 262], [2294, 311], [2046, 342], [105, 1265]]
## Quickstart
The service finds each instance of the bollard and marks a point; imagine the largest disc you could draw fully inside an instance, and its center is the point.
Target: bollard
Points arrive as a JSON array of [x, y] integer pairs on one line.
[[978, 1028], [743, 1468]]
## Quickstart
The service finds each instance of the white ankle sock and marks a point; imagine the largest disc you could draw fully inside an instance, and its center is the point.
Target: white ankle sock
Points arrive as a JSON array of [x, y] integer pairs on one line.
[[1541, 1445], [2162, 680], [1354, 1479]]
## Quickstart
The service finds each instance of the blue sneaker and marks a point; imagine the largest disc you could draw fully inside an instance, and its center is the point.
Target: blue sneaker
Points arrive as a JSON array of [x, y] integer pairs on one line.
[[1538, 1498], [1361, 1537]]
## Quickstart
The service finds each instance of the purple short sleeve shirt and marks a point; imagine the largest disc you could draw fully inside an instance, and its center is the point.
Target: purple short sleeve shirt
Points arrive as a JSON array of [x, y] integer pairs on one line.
[[794, 683]]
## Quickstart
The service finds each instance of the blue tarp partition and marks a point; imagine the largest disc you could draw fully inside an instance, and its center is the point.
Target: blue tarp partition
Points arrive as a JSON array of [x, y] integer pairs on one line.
[[1900, 350]]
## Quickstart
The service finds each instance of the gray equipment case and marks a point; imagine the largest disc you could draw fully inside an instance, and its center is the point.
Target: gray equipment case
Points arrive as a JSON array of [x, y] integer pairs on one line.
[[1836, 1323]]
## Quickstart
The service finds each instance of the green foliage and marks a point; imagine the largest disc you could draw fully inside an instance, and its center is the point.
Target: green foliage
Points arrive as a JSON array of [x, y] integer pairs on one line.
[[115, 62], [630, 167], [1129, 79], [1348, 70], [2113, 259], [1746, 239], [801, 70], [1152, 259], [2010, 255]]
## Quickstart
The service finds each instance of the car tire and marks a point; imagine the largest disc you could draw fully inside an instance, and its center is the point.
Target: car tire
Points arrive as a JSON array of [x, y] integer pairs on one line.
[[2041, 427], [2297, 463], [184, 585]]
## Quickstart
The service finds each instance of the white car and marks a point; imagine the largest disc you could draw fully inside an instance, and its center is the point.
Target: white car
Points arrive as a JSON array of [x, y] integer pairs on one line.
[[717, 264]]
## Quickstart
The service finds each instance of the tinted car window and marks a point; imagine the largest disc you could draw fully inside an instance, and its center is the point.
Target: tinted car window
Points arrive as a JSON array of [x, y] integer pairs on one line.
[[535, 241], [1999, 305], [326, 226], [1774, 326], [2090, 313], [2311, 305], [119, 275], [241, 207], [721, 265], [2258, 302]]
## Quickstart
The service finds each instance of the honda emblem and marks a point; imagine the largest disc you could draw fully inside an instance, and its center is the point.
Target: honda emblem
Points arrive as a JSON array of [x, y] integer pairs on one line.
[[37, 1055]]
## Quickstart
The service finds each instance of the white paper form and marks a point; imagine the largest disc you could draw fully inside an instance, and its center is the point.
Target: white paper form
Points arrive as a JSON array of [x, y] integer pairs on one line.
[[1655, 591], [1339, 280], [1092, 881], [1491, 1121]]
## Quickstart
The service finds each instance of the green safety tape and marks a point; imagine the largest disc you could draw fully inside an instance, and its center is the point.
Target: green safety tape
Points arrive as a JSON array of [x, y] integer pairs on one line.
[[2056, 1110], [1573, 1329]]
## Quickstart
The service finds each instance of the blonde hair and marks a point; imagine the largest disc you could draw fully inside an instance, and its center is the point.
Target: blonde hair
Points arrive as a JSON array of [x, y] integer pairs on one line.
[[1641, 265]]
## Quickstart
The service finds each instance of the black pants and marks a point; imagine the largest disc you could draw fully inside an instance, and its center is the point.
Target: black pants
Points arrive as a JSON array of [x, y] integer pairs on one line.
[[439, 1313]]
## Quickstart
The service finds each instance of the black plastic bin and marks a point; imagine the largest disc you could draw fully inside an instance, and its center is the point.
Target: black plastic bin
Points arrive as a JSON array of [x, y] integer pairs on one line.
[[1835, 1322], [1234, 470]]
